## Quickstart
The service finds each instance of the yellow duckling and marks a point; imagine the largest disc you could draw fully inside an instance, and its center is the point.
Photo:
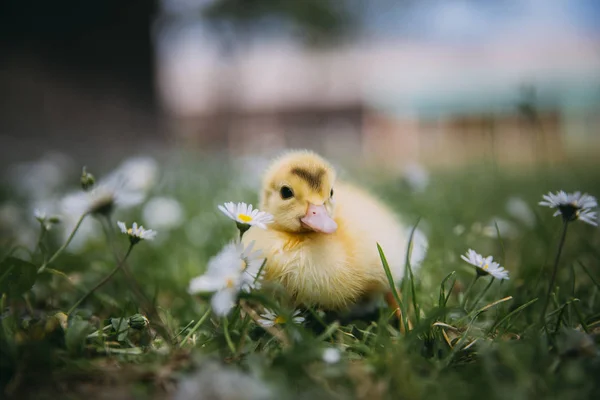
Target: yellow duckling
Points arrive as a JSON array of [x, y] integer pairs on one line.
[[322, 245]]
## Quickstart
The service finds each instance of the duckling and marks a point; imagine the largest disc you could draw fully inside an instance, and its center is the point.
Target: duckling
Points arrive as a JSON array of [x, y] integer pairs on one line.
[[322, 244]]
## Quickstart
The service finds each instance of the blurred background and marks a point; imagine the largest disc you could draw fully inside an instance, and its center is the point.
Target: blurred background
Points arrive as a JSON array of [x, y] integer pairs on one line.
[[389, 82], [459, 114]]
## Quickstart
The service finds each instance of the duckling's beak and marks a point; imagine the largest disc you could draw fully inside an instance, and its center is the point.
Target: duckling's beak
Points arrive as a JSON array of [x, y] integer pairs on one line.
[[317, 218]]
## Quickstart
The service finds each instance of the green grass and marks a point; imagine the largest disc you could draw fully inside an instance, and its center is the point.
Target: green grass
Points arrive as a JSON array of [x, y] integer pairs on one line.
[[495, 347]]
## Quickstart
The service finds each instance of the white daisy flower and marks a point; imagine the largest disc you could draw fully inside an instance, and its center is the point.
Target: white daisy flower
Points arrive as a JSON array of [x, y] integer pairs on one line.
[[485, 265], [572, 206], [103, 198], [331, 355], [269, 318], [251, 265], [244, 214], [232, 270], [136, 233]]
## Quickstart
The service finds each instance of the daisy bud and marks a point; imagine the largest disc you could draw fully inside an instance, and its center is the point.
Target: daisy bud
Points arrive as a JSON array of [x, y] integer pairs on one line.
[[54, 219], [138, 321], [87, 180]]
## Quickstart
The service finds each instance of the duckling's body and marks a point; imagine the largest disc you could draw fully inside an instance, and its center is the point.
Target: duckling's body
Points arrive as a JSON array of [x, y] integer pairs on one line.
[[317, 264]]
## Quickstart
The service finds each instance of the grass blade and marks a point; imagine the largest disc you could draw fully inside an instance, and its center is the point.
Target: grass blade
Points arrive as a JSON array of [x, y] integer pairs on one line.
[[410, 272], [589, 274], [580, 316], [195, 328], [393, 288], [443, 297], [329, 331], [512, 313], [501, 242]]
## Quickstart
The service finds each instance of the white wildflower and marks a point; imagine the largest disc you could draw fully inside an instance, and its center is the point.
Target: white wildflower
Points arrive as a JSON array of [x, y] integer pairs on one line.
[[251, 265], [520, 210], [269, 318], [485, 265], [417, 177], [102, 198], [244, 214], [43, 218], [138, 173], [331, 355], [572, 206], [458, 229], [163, 213], [232, 270], [42, 178], [40, 215], [218, 381], [136, 233]]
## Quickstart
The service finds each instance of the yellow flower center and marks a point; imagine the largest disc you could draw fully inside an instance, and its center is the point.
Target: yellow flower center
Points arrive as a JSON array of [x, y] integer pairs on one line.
[[280, 320], [129, 231], [485, 266], [244, 218], [229, 283], [244, 265]]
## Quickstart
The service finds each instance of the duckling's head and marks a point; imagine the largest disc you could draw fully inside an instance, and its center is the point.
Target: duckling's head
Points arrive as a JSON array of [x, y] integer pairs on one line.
[[298, 190]]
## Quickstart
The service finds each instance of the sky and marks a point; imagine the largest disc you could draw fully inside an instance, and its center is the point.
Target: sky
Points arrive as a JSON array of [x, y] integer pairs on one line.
[[472, 21]]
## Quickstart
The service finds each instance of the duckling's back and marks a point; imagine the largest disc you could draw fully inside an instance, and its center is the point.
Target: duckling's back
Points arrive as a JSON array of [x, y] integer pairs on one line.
[[368, 221]]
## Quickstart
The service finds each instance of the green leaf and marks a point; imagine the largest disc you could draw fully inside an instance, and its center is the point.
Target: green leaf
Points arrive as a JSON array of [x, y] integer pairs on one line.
[[16, 276], [76, 335], [121, 327]]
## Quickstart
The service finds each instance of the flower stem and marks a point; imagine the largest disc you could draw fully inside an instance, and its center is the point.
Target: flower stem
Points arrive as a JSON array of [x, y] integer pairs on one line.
[[478, 299], [242, 228], [147, 305], [468, 291], [554, 271], [64, 246], [102, 282], [227, 337], [195, 327], [40, 246]]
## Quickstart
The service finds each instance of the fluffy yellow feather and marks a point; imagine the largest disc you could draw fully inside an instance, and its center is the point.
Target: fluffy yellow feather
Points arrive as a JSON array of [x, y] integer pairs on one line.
[[322, 245]]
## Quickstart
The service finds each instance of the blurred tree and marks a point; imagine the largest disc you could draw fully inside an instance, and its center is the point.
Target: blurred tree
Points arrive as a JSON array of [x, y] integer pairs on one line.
[[90, 40], [318, 22]]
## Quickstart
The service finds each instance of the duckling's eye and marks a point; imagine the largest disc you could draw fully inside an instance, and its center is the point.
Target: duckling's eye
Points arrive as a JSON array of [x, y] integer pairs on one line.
[[286, 193], [331, 193]]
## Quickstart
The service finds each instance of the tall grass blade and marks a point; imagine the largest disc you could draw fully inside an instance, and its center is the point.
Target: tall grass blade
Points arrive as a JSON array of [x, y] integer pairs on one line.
[[501, 242], [580, 316], [388, 273], [512, 313], [410, 272], [588, 274]]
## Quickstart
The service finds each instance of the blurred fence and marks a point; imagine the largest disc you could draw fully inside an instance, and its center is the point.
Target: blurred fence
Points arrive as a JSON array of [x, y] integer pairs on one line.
[[389, 101]]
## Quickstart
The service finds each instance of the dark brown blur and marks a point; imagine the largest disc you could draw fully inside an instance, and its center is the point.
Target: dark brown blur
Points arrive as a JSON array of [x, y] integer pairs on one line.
[[438, 83]]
